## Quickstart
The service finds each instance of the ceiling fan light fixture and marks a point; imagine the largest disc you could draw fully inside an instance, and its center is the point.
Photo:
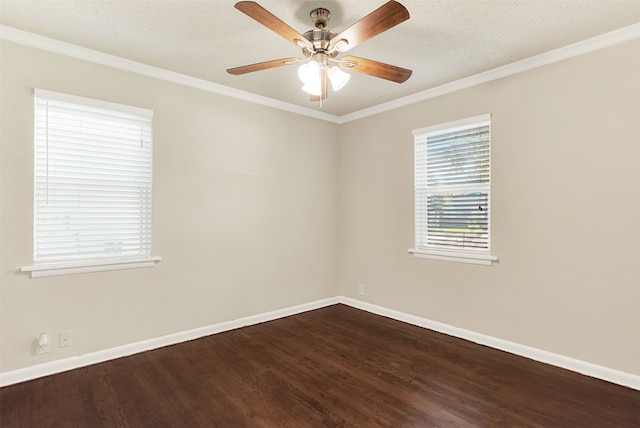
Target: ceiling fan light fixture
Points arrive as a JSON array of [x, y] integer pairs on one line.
[[337, 77], [309, 73], [313, 88]]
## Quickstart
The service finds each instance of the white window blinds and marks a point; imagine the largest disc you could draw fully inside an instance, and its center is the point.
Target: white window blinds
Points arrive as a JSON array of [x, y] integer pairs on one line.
[[452, 186], [92, 179]]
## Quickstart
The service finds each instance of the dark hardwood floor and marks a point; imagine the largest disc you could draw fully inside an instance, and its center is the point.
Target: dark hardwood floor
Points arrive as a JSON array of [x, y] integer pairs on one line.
[[332, 367]]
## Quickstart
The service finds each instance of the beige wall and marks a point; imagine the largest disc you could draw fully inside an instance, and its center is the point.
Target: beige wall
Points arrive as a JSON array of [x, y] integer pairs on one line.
[[245, 214], [565, 211], [251, 215]]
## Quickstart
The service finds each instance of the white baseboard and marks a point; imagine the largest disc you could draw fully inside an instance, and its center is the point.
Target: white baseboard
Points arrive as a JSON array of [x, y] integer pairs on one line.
[[583, 367], [46, 369], [589, 369]]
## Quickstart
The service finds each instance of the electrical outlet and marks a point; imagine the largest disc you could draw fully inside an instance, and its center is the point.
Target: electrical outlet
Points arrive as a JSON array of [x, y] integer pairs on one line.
[[360, 290], [65, 339], [42, 344]]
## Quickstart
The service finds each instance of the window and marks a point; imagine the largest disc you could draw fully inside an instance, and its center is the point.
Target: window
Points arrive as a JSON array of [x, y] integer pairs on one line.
[[92, 192], [452, 191]]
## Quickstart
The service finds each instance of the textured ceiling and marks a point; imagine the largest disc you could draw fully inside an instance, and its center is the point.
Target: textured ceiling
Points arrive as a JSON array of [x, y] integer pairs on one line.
[[444, 40]]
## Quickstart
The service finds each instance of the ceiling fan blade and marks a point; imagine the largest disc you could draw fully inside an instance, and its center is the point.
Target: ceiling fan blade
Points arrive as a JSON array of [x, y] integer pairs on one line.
[[262, 66], [375, 68], [269, 20], [386, 16]]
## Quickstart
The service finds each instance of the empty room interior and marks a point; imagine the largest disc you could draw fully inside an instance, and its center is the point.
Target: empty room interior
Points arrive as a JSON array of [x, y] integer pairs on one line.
[[301, 256]]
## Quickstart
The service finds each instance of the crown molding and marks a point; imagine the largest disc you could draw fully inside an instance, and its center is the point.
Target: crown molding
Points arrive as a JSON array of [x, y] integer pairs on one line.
[[36, 41], [585, 46], [608, 39]]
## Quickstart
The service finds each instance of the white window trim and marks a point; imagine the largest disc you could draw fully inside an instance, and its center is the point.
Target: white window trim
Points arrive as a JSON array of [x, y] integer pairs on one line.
[[454, 256], [71, 268], [75, 99], [467, 256], [41, 270]]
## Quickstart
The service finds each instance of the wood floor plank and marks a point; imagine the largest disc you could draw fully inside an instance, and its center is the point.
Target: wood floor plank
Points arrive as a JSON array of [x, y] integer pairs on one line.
[[332, 367]]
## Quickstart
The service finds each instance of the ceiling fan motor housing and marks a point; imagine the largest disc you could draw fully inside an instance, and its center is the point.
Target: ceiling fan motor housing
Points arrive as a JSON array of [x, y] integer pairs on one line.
[[320, 39]]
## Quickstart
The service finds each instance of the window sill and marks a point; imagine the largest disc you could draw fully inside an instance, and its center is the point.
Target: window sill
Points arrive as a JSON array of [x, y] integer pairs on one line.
[[455, 256], [71, 268]]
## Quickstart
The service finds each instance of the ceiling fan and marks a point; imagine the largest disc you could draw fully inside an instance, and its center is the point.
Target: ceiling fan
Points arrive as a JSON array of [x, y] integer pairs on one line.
[[321, 47]]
